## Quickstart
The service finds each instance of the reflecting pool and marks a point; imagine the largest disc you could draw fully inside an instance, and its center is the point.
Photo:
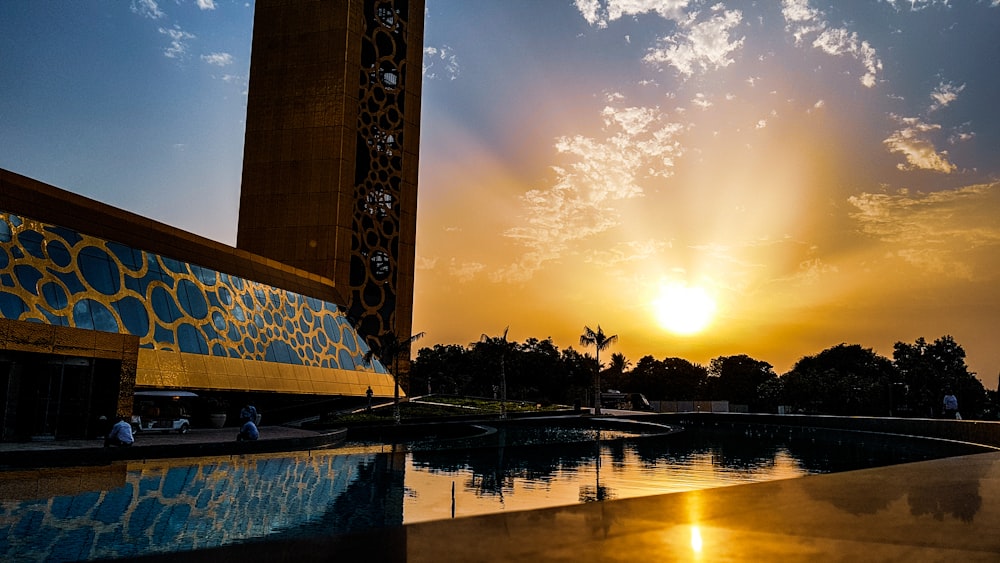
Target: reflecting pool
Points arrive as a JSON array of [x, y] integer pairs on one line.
[[164, 506]]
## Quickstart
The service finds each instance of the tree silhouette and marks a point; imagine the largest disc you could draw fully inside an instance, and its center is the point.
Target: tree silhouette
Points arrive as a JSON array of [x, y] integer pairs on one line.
[[498, 345], [600, 342], [389, 348]]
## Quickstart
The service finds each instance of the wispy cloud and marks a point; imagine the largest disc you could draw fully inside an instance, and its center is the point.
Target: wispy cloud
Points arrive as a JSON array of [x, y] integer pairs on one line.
[[147, 9], [440, 62], [218, 59], [944, 95], [641, 142], [912, 140], [206, 4], [804, 22], [700, 45], [935, 230], [178, 41]]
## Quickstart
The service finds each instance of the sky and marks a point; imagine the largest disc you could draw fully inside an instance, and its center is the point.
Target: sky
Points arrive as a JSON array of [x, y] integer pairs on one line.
[[701, 179]]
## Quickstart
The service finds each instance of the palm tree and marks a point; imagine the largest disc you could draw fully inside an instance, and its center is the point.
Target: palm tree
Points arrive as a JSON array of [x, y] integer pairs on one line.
[[600, 341], [389, 349], [501, 343]]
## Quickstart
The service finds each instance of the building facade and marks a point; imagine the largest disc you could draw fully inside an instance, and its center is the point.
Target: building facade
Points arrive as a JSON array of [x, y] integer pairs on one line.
[[96, 302]]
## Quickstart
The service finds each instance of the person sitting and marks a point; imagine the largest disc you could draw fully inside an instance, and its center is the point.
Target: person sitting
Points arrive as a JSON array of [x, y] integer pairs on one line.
[[121, 434], [248, 431]]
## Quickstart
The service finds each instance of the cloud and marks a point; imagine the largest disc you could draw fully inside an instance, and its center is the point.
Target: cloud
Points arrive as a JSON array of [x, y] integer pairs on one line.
[[632, 251], [147, 9], [599, 14], [917, 5], [944, 95], [218, 59], [466, 271], [934, 231], [913, 142], [703, 46], [178, 41], [641, 143], [206, 4], [440, 58], [803, 21]]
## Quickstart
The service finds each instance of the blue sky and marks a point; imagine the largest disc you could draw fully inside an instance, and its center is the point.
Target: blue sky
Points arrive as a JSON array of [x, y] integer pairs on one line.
[[811, 172]]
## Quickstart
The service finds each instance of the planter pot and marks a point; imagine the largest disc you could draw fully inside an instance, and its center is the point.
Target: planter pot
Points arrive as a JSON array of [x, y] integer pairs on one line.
[[217, 420]]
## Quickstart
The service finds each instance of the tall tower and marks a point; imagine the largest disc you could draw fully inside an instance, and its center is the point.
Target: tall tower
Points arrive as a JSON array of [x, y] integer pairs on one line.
[[330, 157]]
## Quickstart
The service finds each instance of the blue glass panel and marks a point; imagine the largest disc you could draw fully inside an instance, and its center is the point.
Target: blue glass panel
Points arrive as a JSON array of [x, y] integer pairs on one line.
[[90, 314], [238, 314], [258, 320], [4, 259], [268, 319], [27, 277], [233, 334], [191, 299], [321, 340], [7, 280], [54, 295], [237, 283], [248, 344], [69, 281], [204, 275], [52, 318], [16, 253], [310, 354], [289, 327], [71, 237], [174, 266], [331, 329], [345, 360], [99, 270], [252, 331], [134, 316], [282, 353], [349, 341], [248, 302], [209, 331], [135, 285], [307, 316], [218, 320], [58, 253], [164, 307], [314, 304], [225, 296], [218, 349], [236, 352], [31, 242], [15, 220], [163, 335], [213, 301], [275, 300], [156, 272], [191, 340], [6, 232]]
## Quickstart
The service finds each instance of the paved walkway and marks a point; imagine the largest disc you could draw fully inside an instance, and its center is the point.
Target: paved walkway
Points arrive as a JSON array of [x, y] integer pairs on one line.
[[197, 442]]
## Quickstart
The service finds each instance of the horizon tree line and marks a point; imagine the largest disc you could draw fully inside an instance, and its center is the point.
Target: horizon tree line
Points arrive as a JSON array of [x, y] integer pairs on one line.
[[846, 379]]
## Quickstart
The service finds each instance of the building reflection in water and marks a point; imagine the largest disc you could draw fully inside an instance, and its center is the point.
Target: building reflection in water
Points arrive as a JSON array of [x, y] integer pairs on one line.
[[130, 509]]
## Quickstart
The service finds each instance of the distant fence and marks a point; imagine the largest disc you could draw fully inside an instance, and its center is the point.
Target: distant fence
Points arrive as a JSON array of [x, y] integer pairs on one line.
[[695, 406]]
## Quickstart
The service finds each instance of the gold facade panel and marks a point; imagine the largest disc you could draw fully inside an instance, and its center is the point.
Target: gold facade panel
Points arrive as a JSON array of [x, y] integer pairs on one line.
[[74, 342]]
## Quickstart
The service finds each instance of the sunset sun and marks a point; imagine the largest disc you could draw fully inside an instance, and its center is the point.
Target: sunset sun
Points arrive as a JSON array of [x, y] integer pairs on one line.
[[684, 310]]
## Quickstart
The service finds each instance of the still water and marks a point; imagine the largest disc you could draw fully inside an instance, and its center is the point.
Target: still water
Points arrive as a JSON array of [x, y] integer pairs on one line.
[[164, 506]]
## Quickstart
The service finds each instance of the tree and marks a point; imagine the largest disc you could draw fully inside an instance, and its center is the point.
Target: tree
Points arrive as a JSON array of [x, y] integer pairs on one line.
[[739, 379], [927, 371], [845, 379], [391, 347], [615, 373], [600, 342], [498, 345]]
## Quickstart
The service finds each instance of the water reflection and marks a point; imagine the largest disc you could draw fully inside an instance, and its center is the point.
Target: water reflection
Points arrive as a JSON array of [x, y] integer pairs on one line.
[[136, 508]]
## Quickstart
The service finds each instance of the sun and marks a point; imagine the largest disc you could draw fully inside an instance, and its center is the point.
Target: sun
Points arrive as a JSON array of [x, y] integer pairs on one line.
[[684, 310]]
